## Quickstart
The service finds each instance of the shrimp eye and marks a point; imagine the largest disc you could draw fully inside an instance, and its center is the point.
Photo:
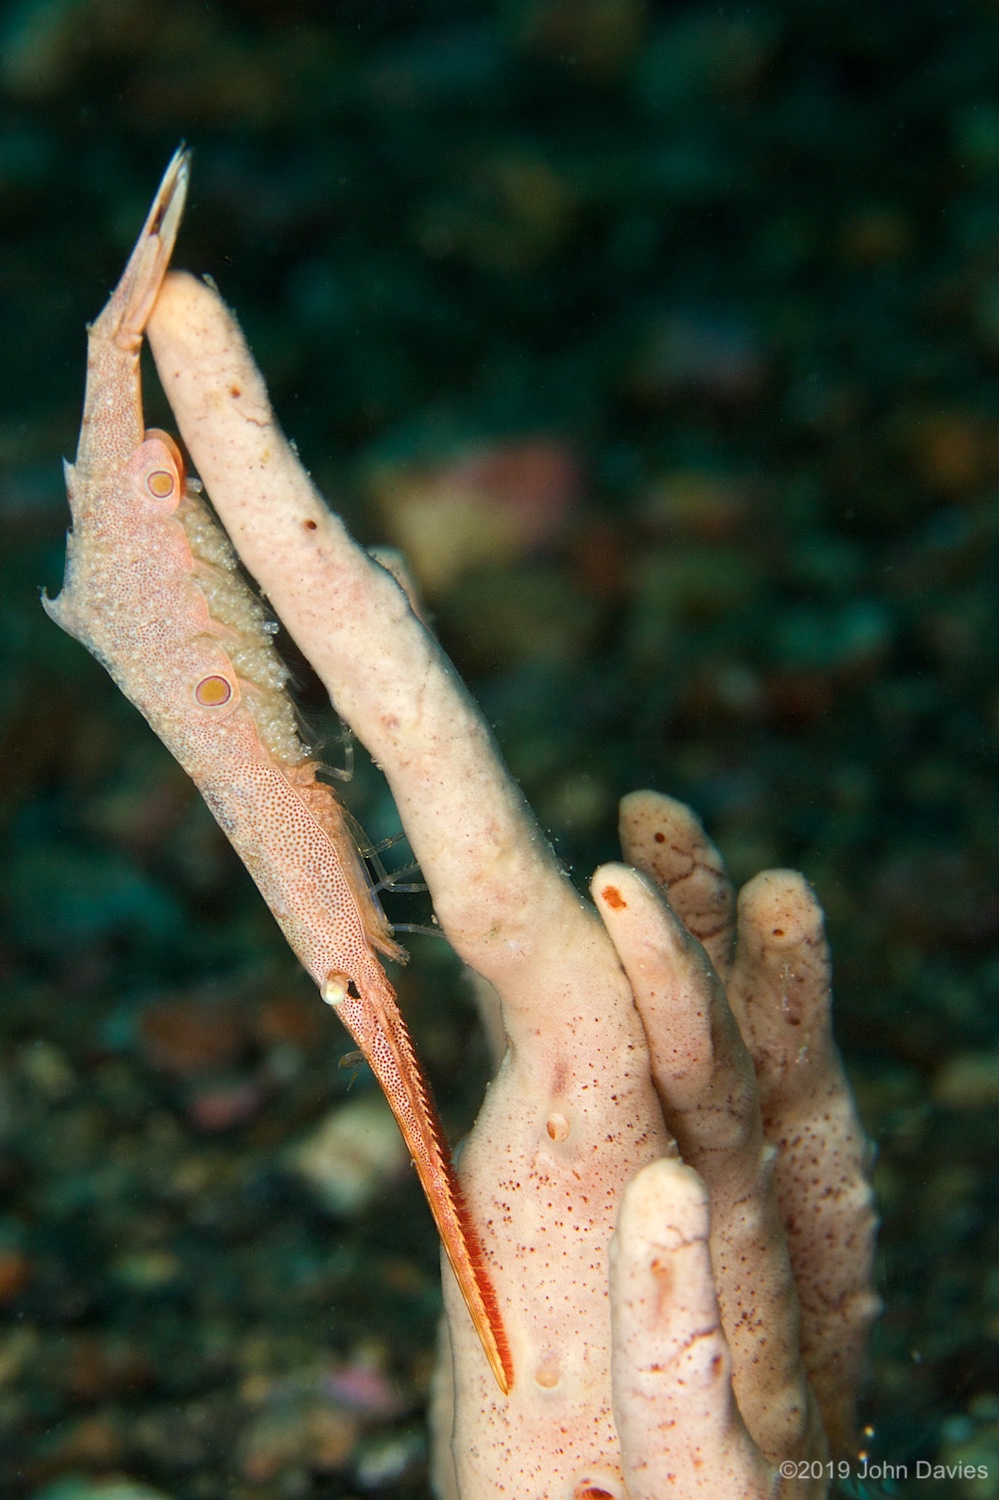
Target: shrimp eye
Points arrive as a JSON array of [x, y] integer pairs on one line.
[[164, 479], [160, 484], [212, 692]]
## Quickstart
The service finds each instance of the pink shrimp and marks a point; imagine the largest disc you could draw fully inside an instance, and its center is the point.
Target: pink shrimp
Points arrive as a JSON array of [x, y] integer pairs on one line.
[[152, 590]]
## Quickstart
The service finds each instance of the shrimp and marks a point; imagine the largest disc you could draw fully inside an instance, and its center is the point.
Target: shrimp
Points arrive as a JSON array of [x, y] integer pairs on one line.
[[152, 590]]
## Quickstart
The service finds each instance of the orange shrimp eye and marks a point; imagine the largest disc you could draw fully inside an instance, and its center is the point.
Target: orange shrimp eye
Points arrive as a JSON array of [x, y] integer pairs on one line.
[[166, 478], [212, 692], [160, 484]]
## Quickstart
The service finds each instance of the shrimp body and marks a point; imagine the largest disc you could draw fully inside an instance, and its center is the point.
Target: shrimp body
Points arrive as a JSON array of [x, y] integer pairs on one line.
[[153, 591]]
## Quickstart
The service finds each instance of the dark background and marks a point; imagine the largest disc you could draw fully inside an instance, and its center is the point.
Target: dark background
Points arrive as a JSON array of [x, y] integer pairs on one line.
[[702, 301]]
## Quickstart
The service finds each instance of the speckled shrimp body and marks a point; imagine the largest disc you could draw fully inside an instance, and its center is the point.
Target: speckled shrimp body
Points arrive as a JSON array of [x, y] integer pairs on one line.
[[153, 591]]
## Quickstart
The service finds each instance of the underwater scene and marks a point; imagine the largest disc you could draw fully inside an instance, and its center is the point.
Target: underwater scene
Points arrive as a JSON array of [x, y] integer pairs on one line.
[[662, 341]]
